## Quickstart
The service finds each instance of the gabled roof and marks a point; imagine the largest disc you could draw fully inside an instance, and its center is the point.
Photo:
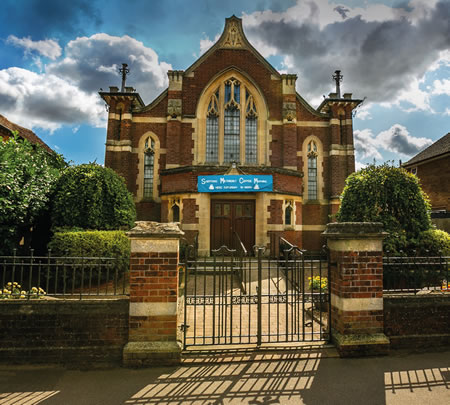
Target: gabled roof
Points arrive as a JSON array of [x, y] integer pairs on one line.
[[24, 133], [440, 147]]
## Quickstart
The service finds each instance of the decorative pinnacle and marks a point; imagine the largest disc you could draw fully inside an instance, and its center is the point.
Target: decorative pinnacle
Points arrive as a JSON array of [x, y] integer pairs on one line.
[[337, 77], [124, 71]]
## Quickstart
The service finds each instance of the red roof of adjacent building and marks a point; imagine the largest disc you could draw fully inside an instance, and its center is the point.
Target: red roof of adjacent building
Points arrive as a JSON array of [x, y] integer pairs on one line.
[[23, 133]]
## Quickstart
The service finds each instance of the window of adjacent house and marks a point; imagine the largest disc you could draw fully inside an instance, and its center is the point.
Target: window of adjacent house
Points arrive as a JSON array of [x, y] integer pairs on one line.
[[414, 170], [149, 157], [237, 129], [175, 213], [312, 171], [288, 215]]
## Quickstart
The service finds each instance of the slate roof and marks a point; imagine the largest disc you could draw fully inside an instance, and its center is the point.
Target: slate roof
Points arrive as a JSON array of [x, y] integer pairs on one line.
[[24, 133], [440, 147]]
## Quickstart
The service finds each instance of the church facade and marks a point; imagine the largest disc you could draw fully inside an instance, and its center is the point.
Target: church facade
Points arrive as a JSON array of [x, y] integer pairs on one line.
[[231, 148]]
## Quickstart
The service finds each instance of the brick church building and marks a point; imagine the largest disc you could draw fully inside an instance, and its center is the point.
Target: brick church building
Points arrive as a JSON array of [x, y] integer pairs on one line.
[[231, 147]]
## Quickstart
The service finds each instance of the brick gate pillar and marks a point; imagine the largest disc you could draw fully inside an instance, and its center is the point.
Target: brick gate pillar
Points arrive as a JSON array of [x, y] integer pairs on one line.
[[356, 287], [153, 295]]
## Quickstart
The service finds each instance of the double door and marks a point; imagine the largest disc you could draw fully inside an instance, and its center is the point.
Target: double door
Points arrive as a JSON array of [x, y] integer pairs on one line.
[[229, 217]]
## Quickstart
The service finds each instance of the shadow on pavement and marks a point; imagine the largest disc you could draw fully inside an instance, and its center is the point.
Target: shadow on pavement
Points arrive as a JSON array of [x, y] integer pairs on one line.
[[298, 377]]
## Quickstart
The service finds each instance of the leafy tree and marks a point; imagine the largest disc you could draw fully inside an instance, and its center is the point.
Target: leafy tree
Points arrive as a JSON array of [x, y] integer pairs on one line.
[[389, 195], [90, 196], [27, 174]]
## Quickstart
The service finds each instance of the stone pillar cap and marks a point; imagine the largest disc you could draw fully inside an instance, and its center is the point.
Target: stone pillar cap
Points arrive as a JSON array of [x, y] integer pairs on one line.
[[155, 230], [355, 229]]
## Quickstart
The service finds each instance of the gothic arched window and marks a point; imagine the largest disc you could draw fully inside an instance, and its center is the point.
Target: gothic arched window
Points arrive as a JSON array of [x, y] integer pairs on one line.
[[312, 171], [175, 213], [231, 125], [149, 167]]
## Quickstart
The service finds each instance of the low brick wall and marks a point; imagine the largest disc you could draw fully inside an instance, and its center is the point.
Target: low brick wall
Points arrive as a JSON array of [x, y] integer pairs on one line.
[[78, 333], [417, 322]]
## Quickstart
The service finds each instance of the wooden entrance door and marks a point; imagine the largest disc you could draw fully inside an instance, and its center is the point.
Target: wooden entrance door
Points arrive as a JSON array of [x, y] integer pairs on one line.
[[229, 216]]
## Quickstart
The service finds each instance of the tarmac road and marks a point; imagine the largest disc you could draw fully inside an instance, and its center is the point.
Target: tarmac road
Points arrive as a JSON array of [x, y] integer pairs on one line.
[[299, 377]]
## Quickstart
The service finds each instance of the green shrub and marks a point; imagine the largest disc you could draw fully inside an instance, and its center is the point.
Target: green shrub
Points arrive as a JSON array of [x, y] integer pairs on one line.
[[389, 195], [27, 175], [434, 241], [90, 196], [93, 244]]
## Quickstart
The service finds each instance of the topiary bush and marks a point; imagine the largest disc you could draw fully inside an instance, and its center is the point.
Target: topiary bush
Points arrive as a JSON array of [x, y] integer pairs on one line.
[[389, 195], [90, 196]]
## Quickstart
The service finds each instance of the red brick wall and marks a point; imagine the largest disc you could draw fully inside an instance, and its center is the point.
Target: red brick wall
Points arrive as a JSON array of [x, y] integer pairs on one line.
[[153, 278], [276, 212], [435, 180], [189, 211], [357, 275]]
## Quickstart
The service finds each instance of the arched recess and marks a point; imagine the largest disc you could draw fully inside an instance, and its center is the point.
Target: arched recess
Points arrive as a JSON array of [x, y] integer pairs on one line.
[[252, 103], [145, 143], [308, 151]]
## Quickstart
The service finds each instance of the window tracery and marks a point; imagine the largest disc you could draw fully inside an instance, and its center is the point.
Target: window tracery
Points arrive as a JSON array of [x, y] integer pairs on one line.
[[312, 170], [231, 125]]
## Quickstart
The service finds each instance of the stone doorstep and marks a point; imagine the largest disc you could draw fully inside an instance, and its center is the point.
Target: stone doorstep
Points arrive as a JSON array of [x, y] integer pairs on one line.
[[142, 354], [377, 344]]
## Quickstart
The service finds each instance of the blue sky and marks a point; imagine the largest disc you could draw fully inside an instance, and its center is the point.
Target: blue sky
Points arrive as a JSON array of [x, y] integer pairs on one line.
[[56, 55]]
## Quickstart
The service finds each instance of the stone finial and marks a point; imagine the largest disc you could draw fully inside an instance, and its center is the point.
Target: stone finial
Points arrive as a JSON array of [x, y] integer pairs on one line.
[[175, 80], [233, 37], [288, 83], [156, 229]]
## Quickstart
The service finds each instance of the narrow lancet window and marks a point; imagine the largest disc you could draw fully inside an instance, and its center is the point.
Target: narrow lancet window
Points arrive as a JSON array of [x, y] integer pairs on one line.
[[212, 129], [149, 160], [231, 136], [312, 171], [251, 131]]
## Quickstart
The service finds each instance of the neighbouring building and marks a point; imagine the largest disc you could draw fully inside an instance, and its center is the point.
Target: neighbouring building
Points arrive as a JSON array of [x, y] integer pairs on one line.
[[230, 147], [7, 129], [432, 167]]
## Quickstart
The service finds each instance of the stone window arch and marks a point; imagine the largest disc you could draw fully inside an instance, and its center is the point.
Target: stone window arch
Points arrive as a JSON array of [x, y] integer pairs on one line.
[[231, 118]]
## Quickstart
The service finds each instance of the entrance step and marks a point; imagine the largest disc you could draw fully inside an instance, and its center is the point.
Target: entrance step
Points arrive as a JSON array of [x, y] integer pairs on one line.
[[265, 352]]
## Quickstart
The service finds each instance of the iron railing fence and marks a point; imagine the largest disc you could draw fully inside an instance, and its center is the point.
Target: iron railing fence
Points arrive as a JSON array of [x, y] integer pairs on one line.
[[415, 274], [67, 277]]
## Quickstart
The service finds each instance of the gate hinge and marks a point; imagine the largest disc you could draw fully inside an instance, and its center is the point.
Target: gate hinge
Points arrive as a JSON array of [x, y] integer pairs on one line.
[[184, 327]]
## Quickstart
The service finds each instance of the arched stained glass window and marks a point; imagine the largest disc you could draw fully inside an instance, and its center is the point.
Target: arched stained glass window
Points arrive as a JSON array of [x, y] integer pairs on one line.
[[231, 125]]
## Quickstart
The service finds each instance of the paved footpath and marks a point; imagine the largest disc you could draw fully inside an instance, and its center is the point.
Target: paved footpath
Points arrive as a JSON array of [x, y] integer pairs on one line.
[[297, 377]]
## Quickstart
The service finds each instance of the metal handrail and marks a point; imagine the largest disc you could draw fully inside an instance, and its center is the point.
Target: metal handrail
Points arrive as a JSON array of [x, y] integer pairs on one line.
[[243, 249]]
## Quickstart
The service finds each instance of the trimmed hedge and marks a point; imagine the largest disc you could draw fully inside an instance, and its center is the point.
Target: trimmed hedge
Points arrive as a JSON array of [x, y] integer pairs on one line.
[[92, 244]]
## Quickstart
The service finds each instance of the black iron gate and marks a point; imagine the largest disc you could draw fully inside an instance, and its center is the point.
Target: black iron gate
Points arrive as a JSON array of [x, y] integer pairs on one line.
[[233, 298]]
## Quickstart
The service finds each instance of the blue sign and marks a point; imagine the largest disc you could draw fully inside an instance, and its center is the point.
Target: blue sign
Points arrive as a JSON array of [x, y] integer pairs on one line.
[[234, 184]]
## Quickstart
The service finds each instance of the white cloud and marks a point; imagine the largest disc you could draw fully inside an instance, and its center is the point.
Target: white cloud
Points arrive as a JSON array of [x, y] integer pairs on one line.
[[359, 165], [398, 140], [206, 43], [363, 113], [383, 52], [365, 145], [441, 87], [66, 92], [46, 101], [48, 47], [93, 62]]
